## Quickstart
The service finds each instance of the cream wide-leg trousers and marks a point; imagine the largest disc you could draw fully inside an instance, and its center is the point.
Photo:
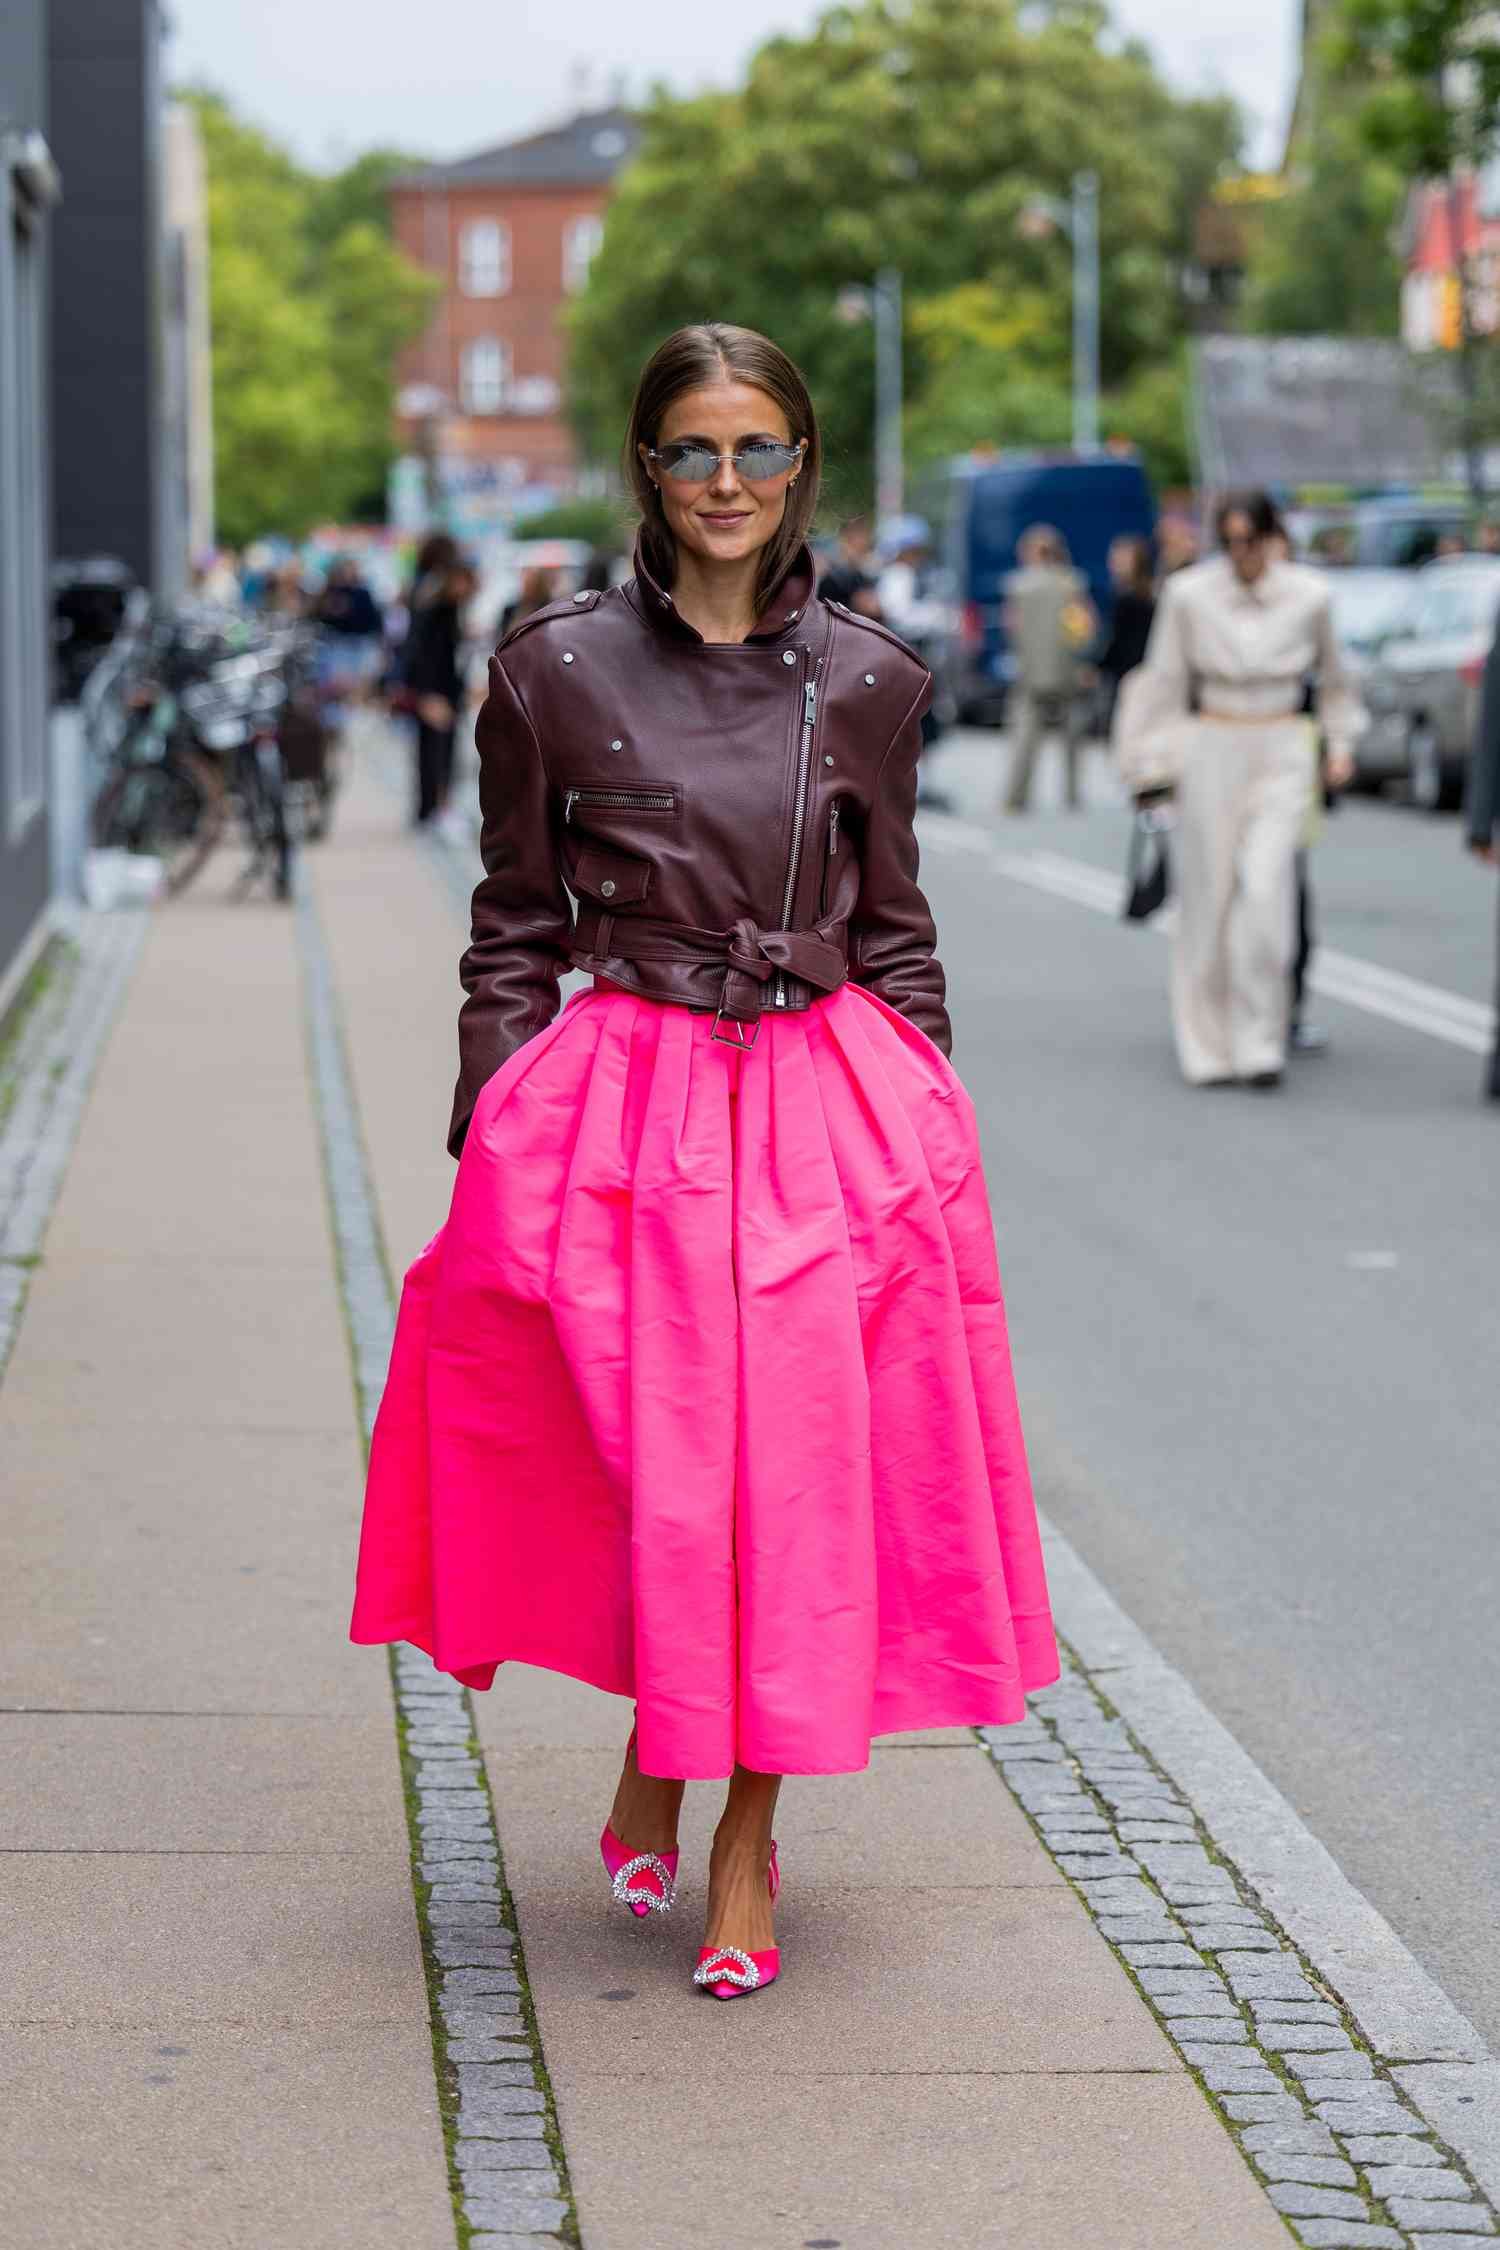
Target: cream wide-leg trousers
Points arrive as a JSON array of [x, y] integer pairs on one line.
[[1243, 798]]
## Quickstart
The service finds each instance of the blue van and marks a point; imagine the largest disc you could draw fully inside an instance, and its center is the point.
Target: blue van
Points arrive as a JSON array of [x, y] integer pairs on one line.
[[979, 507]]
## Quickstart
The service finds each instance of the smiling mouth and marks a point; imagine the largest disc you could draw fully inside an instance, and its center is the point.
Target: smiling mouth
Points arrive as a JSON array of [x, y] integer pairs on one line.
[[724, 515]]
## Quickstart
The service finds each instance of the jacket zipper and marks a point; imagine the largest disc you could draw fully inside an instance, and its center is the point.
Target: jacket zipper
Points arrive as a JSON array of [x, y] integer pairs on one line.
[[799, 817], [833, 851], [641, 800]]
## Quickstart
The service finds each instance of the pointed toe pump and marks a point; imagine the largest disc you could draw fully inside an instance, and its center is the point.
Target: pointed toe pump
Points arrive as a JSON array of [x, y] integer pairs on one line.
[[646, 1882], [728, 1971]]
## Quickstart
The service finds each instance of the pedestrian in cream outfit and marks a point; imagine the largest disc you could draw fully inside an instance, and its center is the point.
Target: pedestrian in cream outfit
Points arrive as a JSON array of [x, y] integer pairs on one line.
[[1215, 714]]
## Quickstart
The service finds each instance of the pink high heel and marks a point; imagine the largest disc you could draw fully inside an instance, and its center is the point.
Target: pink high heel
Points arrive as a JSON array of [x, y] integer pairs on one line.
[[728, 1971], [646, 1882]]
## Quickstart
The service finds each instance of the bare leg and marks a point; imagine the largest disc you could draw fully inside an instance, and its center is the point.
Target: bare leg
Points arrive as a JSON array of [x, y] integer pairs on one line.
[[739, 1901], [644, 1813]]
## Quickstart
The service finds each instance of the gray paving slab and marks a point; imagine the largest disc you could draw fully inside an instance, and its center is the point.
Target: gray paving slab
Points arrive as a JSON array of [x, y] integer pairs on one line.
[[906, 2162], [260, 1596], [164, 2133], [104, 1781]]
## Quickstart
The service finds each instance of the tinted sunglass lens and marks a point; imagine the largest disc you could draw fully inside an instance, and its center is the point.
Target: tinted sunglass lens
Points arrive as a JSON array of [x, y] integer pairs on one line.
[[757, 463], [692, 463]]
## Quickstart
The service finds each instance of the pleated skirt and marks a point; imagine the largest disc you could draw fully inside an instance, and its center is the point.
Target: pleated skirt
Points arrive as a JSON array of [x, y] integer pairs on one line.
[[703, 1394]]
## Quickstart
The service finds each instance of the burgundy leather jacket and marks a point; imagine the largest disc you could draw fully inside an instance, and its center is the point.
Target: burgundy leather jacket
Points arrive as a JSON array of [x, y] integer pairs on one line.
[[734, 820]]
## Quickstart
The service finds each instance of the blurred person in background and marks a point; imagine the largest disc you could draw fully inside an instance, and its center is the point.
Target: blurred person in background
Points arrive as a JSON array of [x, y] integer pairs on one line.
[[538, 587], [908, 602], [433, 675], [1132, 581], [850, 576], [1177, 545], [743, 1154], [1303, 1037], [285, 593], [1049, 623], [1216, 714], [1482, 814], [348, 613]]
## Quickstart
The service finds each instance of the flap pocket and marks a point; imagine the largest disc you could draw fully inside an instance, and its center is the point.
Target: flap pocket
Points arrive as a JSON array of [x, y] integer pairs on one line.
[[614, 878]]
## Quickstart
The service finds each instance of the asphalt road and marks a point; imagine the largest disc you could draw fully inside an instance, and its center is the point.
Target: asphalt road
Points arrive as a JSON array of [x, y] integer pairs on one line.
[[1257, 1336]]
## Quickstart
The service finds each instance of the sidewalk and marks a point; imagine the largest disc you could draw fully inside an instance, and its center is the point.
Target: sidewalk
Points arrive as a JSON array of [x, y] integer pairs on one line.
[[216, 2029]]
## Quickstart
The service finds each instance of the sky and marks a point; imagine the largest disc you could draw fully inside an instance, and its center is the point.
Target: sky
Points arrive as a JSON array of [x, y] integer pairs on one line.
[[445, 77]]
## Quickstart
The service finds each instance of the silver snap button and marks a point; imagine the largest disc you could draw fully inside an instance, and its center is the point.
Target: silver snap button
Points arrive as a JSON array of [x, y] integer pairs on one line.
[[608, 889], [787, 657], [869, 679], [828, 761], [580, 597], [665, 600], [567, 656], [791, 616], [617, 745]]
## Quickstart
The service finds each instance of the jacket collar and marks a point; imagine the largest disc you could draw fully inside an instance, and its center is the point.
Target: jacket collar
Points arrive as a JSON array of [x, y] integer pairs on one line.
[[782, 613]]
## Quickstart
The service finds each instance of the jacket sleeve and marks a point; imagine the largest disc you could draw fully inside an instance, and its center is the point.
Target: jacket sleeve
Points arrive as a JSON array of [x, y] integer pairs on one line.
[[1154, 701], [892, 941], [522, 921], [1482, 801]]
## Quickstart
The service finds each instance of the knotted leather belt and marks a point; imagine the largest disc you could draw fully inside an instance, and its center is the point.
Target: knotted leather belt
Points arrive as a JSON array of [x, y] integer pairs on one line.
[[751, 955]]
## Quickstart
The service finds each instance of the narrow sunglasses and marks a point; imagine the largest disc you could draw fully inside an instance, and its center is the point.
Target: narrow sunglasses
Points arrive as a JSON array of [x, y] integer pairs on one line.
[[695, 464]]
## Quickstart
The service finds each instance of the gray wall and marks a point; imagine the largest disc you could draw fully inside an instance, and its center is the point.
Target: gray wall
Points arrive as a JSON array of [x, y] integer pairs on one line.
[[24, 500], [106, 281]]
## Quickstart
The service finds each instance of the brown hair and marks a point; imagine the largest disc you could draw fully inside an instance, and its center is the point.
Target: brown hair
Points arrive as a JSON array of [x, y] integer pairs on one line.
[[714, 351]]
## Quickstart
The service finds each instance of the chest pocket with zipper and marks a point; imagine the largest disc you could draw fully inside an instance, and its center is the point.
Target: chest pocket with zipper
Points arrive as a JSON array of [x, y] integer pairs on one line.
[[589, 805]]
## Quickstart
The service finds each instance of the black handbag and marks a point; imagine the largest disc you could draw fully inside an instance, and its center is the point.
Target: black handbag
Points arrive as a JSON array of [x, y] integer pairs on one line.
[[1148, 870]]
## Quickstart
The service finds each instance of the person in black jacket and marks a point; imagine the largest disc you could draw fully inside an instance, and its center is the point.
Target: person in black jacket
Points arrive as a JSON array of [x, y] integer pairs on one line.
[[1132, 607], [1482, 814], [433, 676]]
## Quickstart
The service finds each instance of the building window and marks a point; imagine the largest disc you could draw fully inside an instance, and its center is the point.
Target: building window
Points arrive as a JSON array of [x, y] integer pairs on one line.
[[484, 258], [484, 375], [23, 618], [581, 238]]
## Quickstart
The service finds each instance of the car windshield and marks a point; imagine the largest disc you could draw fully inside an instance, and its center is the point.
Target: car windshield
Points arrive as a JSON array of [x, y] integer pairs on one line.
[[1368, 610], [1451, 607]]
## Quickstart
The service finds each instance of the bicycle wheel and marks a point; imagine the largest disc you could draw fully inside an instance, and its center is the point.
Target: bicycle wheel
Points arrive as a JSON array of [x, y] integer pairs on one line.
[[172, 810]]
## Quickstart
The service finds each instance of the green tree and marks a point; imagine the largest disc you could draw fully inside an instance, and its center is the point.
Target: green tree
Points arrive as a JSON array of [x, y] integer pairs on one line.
[[909, 133], [309, 304], [1426, 77], [1325, 261]]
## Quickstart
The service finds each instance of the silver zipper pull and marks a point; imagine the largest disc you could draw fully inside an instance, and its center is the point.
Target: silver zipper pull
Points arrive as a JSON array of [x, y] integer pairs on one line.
[[809, 703], [568, 803], [833, 829]]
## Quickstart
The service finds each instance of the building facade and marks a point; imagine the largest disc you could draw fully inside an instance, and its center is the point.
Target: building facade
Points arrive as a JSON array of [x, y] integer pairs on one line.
[[510, 233], [1446, 224], [28, 190]]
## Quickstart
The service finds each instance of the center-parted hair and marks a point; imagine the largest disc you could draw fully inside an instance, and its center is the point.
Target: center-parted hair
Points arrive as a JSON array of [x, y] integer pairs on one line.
[[714, 351]]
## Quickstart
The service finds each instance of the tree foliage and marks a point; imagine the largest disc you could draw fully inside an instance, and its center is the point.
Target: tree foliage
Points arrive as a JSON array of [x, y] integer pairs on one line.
[[1326, 261], [906, 133], [309, 302]]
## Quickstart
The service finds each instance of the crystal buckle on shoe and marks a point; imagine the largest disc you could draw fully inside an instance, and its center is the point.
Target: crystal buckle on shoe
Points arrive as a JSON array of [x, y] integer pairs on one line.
[[644, 1863], [746, 1976]]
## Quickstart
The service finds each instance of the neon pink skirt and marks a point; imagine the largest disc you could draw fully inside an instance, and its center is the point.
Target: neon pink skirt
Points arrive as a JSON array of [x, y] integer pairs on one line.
[[703, 1394]]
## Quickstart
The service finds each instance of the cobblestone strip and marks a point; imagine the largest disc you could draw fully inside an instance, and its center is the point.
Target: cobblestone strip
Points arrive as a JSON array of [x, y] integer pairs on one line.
[[1348, 2162], [507, 2169], [44, 1085]]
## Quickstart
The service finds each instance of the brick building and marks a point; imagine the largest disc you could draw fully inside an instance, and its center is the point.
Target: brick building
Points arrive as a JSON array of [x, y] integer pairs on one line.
[[510, 232]]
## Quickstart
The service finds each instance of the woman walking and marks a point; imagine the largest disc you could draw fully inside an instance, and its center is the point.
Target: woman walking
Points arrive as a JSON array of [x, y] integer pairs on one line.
[[1132, 607], [702, 1395], [1216, 714]]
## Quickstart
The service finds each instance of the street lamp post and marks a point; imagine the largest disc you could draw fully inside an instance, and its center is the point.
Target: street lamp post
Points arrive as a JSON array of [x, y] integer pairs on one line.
[[1078, 219], [881, 302]]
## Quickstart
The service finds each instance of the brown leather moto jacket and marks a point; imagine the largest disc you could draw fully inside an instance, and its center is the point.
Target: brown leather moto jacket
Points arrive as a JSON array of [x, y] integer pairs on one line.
[[734, 820]]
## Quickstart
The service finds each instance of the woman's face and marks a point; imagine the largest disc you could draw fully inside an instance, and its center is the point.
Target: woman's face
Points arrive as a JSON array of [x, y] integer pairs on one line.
[[723, 517]]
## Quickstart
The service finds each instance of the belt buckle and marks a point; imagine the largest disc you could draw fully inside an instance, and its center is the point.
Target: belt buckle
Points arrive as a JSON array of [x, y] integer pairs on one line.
[[741, 1029]]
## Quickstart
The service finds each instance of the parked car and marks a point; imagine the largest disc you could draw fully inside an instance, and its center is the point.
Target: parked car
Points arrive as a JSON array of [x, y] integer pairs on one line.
[[978, 509], [1422, 690], [1391, 532]]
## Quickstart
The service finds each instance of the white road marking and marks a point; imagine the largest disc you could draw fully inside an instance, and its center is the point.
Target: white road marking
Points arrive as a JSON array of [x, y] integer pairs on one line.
[[1399, 999]]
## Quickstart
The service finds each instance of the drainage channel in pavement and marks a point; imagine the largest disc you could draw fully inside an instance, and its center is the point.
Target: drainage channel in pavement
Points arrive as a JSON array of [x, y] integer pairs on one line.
[[1341, 2153], [46, 1070], [508, 2172]]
